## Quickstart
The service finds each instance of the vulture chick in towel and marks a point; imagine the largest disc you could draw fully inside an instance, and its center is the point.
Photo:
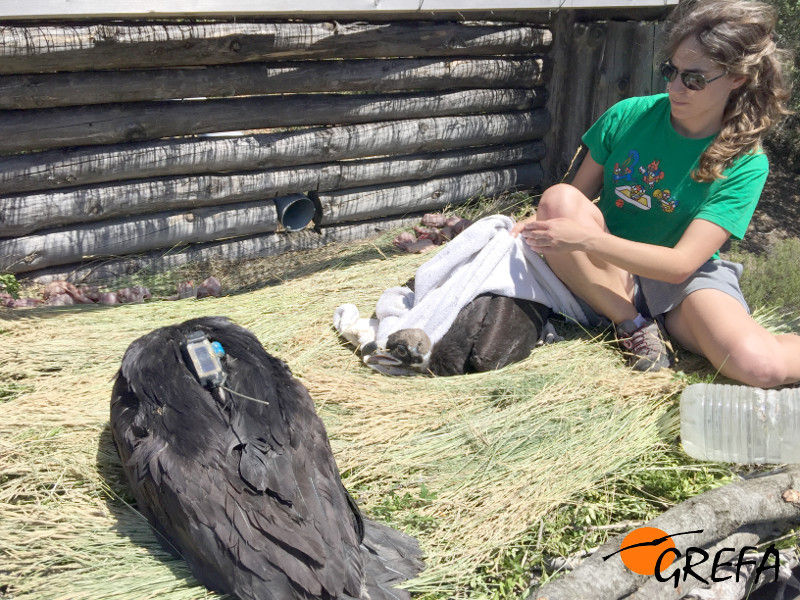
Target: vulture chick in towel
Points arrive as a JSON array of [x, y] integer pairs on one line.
[[490, 332], [236, 473]]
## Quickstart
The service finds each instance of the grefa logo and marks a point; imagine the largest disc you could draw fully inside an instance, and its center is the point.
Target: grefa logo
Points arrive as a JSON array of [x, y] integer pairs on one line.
[[651, 551]]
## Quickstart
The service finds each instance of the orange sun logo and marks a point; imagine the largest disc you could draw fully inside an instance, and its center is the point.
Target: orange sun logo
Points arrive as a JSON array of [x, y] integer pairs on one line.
[[641, 548]]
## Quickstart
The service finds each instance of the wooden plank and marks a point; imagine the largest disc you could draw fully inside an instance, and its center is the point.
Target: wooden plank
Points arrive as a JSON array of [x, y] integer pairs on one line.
[[24, 130], [47, 49], [402, 75], [364, 8], [22, 215], [134, 235], [245, 248], [598, 64], [578, 51], [629, 63], [367, 203], [78, 167]]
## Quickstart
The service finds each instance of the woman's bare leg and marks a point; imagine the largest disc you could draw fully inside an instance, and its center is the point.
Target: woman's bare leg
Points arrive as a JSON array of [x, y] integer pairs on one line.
[[715, 325], [605, 287]]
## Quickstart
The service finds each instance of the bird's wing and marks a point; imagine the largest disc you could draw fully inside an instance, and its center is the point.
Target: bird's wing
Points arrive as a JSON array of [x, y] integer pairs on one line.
[[511, 329]]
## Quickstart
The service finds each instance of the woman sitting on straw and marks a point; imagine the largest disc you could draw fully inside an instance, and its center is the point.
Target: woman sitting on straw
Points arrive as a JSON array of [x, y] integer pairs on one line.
[[680, 172]]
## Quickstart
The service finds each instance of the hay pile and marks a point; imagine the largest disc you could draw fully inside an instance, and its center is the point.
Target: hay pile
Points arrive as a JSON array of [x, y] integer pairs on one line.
[[467, 464]]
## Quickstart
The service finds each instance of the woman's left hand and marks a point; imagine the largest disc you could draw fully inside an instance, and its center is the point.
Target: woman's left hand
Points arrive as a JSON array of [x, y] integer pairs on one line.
[[555, 235]]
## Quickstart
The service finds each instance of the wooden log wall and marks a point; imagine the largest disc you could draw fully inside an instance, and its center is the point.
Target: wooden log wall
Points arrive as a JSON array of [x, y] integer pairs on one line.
[[129, 140], [162, 143]]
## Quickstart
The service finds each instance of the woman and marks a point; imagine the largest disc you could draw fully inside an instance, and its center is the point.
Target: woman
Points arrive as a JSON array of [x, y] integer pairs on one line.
[[680, 173]]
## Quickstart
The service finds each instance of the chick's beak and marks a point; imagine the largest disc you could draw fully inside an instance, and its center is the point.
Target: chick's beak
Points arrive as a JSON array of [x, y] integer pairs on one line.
[[385, 362]]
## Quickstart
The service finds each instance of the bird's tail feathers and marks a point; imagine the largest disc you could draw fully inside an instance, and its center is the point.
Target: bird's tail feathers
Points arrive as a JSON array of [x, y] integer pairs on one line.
[[391, 558]]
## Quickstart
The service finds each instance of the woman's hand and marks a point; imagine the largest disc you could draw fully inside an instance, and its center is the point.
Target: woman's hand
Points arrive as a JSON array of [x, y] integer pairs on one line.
[[555, 235], [520, 225]]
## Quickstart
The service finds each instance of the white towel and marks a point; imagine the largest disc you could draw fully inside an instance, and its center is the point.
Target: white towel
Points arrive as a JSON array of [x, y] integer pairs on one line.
[[484, 258]]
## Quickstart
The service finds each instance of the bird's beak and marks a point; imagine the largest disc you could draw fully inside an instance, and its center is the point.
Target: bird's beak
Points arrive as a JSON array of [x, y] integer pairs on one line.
[[383, 362]]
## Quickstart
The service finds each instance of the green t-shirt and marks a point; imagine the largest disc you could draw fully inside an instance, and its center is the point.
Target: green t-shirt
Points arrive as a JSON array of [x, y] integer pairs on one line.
[[648, 192]]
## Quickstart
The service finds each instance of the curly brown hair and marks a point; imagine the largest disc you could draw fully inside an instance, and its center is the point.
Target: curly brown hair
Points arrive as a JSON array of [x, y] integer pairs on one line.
[[739, 35]]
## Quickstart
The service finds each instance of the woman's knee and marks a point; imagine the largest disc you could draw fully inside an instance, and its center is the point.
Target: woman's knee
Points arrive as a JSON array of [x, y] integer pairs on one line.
[[714, 324], [754, 364], [557, 200], [564, 200]]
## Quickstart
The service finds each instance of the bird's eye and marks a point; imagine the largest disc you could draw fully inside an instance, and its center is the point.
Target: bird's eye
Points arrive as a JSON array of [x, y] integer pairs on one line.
[[401, 350]]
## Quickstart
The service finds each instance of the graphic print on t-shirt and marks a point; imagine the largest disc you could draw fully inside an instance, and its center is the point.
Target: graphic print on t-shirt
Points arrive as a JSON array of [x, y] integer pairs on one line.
[[625, 170], [641, 194], [652, 174], [634, 194], [668, 204]]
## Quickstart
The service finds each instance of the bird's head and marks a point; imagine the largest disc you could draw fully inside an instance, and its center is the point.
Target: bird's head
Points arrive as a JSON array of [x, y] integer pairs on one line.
[[407, 352]]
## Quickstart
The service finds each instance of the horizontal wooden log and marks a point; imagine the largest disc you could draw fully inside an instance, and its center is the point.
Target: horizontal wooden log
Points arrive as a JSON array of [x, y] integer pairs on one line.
[[245, 248], [25, 214], [527, 11], [132, 236], [83, 166], [103, 87], [166, 230], [22, 130], [457, 10], [47, 49], [367, 203]]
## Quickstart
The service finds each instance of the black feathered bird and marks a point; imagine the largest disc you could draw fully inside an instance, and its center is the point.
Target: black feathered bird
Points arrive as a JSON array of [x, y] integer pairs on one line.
[[490, 332], [242, 482]]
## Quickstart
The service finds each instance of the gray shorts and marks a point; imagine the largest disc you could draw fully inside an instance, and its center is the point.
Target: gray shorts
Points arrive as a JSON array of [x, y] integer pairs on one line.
[[655, 298], [660, 297]]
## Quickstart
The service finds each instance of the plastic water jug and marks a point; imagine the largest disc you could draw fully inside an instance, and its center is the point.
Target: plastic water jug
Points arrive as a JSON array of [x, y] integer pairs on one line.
[[741, 424]]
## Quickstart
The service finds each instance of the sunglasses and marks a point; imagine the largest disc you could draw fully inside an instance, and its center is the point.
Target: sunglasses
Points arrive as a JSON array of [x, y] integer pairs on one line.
[[692, 81]]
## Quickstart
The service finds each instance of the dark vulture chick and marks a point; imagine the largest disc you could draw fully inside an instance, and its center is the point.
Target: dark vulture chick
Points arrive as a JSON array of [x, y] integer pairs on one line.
[[489, 333], [240, 480]]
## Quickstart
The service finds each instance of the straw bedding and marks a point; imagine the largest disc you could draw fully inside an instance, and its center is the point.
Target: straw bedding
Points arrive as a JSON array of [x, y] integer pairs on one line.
[[467, 464]]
